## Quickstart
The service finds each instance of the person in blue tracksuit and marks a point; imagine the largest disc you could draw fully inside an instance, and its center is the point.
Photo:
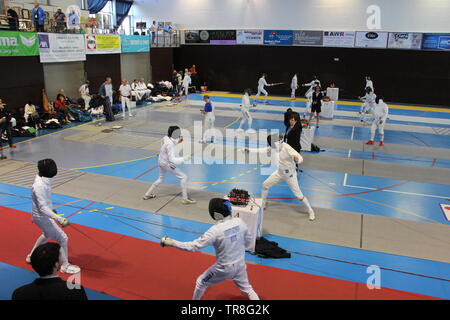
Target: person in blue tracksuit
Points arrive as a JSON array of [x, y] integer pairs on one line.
[[38, 15]]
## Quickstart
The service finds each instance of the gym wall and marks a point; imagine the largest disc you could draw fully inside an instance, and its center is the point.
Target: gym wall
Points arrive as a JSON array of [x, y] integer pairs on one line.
[[421, 77], [162, 60], [135, 65], [332, 15], [100, 66], [66, 75], [22, 80]]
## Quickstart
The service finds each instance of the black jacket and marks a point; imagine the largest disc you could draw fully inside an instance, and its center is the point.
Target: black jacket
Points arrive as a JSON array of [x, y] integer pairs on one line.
[[317, 98], [293, 137], [49, 289]]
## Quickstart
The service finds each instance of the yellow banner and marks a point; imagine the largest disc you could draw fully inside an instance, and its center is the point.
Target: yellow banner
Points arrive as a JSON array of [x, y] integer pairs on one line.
[[108, 42]]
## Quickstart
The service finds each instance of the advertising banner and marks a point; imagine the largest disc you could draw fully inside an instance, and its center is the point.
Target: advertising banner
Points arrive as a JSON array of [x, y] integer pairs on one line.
[[371, 39], [250, 37], [196, 36], [222, 36], [404, 40], [135, 43], [97, 44], [436, 41], [61, 47], [308, 38], [13, 43], [278, 37], [339, 39]]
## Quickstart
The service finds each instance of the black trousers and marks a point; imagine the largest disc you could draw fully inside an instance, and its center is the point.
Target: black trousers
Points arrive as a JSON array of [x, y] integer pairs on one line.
[[6, 128], [38, 27]]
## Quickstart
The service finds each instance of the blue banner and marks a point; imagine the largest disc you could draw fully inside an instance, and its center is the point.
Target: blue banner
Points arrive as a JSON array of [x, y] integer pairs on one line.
[[135, 43], [436, 41], [278, 37]]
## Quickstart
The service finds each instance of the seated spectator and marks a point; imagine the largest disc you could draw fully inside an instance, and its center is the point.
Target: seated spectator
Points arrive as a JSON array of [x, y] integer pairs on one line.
[[143, 87], [61, 107], [31, 116], [135, 91], [5, 125], [45, 261]]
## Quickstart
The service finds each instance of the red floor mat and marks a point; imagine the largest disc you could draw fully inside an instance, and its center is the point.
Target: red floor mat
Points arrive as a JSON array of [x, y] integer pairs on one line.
[[131, 268]]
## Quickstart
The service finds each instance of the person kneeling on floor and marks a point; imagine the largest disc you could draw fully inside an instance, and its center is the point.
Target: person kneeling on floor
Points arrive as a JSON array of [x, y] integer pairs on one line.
[[229, 236]]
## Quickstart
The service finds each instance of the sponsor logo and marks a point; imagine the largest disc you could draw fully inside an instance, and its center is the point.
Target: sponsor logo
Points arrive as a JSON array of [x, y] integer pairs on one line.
[[91, 42], [399, 36], [371, 35], [28, 42], [44, 43], [8, 42], [204, 35]]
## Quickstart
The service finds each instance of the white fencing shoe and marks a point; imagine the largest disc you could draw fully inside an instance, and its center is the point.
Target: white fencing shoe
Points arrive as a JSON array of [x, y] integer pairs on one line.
[[151, 196], [28, 259], [70, 268], [312, 216], [188, 201]]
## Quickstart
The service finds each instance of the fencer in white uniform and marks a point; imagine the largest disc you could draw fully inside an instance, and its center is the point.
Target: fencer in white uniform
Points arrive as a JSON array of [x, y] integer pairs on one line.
[[186, 82], [369, 84], [125, 94], [294, 86], [308, 95], [229, 236], [45, 217], [85, 95], [285, 158], [261, 84], [167, 164], [368, 105], [380, 113], [209, 118], [246, 116]]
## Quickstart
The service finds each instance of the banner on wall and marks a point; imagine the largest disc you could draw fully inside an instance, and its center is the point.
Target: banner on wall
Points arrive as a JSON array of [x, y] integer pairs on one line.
[[402, 40], [250, 37], [61, 47], [278, 37], [371, 39], [222, 36], [308, 38], [197, 36], [13, 43], [97, 44], [344, 39], [135, 43], [436, 41]]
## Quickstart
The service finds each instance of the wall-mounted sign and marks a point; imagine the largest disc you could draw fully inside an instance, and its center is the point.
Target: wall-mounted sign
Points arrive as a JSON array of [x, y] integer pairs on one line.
[[278, 37], [339, 39], [371, 39]]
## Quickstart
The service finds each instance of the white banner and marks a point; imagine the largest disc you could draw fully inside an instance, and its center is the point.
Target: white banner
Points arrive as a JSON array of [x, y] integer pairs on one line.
[[250, 37], [61, 47], [339, 39], [402, 40], [371, 39]]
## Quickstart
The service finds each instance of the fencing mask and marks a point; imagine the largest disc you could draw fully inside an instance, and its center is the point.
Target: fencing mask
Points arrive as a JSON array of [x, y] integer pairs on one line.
[[174, 132], [219, 208], [47, 168], [274, 138], [378, 98]]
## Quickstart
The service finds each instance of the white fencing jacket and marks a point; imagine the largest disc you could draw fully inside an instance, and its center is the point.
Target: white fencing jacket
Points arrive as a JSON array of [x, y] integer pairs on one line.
[[187, 81], [229, 237], [294, 83], [262, 83], [42, 206], [380, 111], [369, 98], [369, 84], [167, 153], [282, 156]]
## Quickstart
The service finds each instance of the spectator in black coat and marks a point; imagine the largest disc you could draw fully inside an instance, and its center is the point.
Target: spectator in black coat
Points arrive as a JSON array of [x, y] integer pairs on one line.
[[45, 261], [13, 19], [316, 106], [293, 132]]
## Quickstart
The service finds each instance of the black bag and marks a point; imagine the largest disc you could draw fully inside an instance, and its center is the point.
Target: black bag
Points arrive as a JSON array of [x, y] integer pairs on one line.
[[270, 249]]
